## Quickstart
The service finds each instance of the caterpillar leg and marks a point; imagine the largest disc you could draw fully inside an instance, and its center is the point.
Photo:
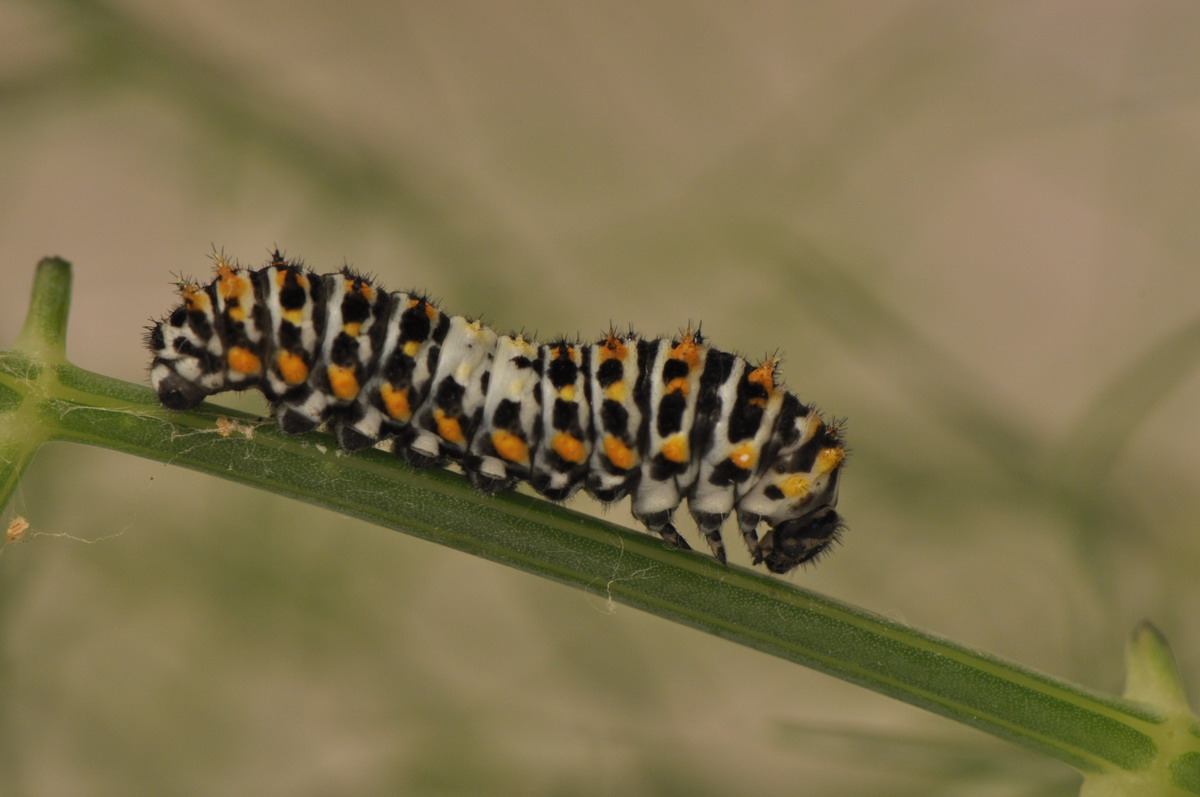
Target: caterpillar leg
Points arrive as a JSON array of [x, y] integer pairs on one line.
[[717, 546], [660, 524], [420, 448], [293, 422], [488, 474], [710, 526], [351, 439], [748, 525], [672, 536]]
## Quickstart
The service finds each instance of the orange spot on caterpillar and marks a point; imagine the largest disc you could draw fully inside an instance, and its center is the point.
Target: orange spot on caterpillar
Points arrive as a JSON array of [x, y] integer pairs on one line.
[[194, 299], [675, 449], [743, 456], [357, 285], [764, 374], [291, 367], [687, 350], [396, 402], [829, 459], [229, 283], [794, 485], [431, 312], [510, 447], [448, 428], [568, 447], [243, 360], [342, 382], [613, 348], [618, 453]]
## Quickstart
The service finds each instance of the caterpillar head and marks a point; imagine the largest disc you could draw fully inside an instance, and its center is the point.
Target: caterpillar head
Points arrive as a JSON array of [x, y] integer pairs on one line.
[[798, 540]]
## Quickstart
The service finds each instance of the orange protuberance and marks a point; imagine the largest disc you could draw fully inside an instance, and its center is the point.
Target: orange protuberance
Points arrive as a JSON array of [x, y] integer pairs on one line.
[[244, 361], [353, 285], [567, 393], [396, 402], [567, 353], [687, 350], [431, 312], [352, 329], [229, 283], [342, 382], [412, 347], [675, 449], [194, 299], [449, 429], [743, 456], [795, 486], [829, 459], [764, 374], [615, 392], [510, 447], [282, 274], [294, 317], [613, 348], [619, 454], [291, 367], [570, 448]]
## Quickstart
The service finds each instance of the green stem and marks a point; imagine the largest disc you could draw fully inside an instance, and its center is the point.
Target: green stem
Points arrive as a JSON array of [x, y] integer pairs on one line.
[[44, 333]]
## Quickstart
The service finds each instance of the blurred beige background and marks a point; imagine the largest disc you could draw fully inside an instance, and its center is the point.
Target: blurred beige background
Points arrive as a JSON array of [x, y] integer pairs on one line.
[[970, 228]]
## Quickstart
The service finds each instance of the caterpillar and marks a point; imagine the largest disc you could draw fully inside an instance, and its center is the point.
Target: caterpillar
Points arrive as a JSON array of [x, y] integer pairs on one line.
[[659, 420]]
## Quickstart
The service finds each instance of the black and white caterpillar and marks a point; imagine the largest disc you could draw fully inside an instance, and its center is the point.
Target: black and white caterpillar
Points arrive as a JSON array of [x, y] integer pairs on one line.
[[660, 420]]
